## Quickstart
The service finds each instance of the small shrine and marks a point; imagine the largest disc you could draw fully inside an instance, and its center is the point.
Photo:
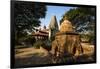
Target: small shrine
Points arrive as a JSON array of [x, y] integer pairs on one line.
[[67, 41]]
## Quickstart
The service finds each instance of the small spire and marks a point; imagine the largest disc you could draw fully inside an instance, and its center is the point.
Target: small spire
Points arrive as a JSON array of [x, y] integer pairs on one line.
[[44, 27]]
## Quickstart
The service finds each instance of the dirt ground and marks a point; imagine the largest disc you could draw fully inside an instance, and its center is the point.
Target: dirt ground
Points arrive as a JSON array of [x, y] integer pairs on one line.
[[33, 56]]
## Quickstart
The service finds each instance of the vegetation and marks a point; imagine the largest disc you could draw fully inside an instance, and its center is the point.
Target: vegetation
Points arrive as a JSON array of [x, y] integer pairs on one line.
[[38, 44], [43, 44], [83, 19], [25, 41], [26, 17], [88, 38]]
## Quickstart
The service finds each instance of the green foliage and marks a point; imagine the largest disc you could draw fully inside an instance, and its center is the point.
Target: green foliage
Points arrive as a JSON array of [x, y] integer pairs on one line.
[[38, 44], [26, 40], [43, 44], [85, 37], [26, 16], [82, 18], [88, 38]]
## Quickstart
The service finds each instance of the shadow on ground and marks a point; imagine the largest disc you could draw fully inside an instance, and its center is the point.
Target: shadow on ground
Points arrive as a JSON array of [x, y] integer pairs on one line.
[[43, 57]]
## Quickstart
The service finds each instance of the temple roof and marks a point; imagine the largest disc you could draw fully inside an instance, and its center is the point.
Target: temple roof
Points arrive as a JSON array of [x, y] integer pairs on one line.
[[44, 31], [41, 33]]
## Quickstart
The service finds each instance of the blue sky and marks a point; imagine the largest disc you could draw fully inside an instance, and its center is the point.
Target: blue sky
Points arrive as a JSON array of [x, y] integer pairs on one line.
[[58, 11]]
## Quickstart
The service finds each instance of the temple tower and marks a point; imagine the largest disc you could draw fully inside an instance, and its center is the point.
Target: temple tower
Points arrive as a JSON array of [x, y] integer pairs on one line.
[[67, 41], [53, 27]]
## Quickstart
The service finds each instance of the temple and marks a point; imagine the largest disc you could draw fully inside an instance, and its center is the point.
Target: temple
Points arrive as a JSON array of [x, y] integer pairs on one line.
[[53, 27], [45, 34], [41, 34], [67, 41]]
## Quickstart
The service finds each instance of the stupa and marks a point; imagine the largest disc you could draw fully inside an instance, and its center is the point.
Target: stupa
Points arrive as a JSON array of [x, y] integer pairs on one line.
[[66, 26], [67, 41]]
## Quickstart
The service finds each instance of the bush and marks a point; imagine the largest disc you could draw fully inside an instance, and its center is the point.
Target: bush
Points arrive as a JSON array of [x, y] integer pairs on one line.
[[25, 41], [47, 45], [38, 44], [44, 44], [90, 38]]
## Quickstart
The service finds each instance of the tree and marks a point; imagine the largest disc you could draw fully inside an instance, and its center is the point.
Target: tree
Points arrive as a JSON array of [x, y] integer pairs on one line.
[[26, 16], [83, 19]]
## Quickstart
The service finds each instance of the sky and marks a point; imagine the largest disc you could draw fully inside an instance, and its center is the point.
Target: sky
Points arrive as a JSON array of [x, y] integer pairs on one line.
[[58, 11]]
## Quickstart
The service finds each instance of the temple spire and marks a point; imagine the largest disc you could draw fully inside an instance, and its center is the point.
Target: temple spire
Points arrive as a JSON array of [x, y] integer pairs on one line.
[[53, 27], [53, 23]]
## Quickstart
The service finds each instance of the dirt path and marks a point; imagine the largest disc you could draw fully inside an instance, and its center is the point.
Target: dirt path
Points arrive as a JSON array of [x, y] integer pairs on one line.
[[88, 49], [28, 52], [33, 57]]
